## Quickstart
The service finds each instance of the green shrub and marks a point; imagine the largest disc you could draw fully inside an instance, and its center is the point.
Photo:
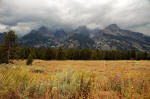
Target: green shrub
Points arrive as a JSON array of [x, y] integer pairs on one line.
[[29, 60]]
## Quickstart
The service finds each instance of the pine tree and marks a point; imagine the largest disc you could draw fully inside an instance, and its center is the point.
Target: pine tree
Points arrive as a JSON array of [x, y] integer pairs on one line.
[[95, 54], [3, 58], [85, 54], [29, 60], [70, 54], [49, 53], [145, 55], [133, 54], [60, 54], [9, 45]]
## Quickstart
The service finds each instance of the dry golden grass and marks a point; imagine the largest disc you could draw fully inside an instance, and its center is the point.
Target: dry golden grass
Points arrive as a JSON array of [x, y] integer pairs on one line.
[[99, 66], [81, 79]]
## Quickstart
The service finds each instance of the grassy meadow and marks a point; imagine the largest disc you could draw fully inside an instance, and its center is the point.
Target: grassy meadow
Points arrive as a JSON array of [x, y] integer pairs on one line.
[[75, 80]]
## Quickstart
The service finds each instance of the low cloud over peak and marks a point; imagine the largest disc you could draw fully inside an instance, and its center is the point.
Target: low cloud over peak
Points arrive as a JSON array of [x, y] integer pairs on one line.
[[24, 15]]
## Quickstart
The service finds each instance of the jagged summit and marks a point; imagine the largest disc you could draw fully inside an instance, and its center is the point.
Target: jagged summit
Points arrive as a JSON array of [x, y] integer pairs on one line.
[[113, 27], [82, 30], [43, 28]]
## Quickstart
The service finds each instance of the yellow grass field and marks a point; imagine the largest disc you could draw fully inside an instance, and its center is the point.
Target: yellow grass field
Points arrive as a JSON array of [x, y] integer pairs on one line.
[[75, 80]]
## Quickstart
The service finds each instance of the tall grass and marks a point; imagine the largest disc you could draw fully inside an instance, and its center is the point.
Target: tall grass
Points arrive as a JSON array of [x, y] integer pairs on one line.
[[132, 85], [72, 84], [17, 82]]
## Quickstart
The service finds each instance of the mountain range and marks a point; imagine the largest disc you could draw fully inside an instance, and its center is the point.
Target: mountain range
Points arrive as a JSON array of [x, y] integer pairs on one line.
[[110, 38]]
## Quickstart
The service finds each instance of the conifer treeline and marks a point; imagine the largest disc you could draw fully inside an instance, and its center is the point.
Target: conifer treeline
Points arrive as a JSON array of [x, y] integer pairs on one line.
[[79, 54], [9, 50]]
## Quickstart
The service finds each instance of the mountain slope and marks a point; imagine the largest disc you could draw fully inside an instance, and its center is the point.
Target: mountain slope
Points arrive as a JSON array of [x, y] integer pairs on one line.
[[43, 37], [79, 41], [114, 38], [1, 36]]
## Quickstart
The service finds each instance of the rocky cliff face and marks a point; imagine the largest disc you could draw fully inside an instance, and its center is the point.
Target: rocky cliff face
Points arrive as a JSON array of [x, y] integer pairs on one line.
[[114, 38]]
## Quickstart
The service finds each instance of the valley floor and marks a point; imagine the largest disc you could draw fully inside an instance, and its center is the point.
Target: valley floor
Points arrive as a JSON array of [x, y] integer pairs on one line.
[[75, 80]]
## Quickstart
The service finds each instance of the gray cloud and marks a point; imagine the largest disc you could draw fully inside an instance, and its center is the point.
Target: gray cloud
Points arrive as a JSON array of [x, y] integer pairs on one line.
[[24, 15]]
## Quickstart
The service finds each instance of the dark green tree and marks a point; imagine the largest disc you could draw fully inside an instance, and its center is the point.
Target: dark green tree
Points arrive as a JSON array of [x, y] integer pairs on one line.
[[70, 54], [60, 54], [145, 56], [133, 54], [49, 53], [3, 58], [9, 45], [76, 54], [30, 59], [95, 54], [85, 54]]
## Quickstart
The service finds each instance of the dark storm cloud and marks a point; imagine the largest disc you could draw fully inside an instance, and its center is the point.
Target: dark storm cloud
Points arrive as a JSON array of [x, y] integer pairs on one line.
[[24, 15]]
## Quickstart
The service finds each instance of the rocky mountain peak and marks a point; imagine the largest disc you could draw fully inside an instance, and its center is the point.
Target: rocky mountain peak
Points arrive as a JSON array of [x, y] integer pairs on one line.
[[60, 33], [43, 28], [82, 30], [113, 27]]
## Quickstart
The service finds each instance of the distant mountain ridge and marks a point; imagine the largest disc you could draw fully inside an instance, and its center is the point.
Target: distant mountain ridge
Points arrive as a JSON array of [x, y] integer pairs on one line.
[[1, 36], [110, 38]]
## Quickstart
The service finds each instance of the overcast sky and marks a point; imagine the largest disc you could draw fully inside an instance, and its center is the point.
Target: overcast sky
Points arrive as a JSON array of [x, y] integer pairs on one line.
[[24, 15]]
